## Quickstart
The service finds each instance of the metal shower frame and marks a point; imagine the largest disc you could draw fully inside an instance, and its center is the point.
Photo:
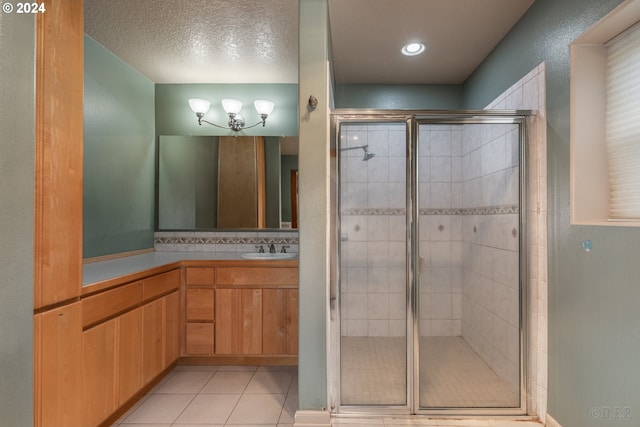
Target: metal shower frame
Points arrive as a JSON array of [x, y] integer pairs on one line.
[[412, 119]]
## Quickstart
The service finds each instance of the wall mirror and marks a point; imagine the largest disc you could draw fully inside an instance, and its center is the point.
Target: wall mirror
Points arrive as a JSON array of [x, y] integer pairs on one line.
[[226, 182]]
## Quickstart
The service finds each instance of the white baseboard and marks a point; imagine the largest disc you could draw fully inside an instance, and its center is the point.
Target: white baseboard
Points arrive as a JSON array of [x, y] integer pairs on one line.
[[550, 422], [307, 418]]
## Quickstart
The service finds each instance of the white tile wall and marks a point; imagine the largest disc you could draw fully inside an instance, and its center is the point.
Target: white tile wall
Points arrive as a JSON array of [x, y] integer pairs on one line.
[[530, 94], [373, 237]]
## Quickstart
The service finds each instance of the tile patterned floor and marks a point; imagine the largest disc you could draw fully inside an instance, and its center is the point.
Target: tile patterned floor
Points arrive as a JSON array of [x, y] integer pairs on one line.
[[250, 396], [425, 422], [451, 374], [218, 396]]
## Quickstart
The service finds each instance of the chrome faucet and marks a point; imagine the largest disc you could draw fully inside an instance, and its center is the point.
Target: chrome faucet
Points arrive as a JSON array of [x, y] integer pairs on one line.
[[272, 248], [260, 249], [284, 249]]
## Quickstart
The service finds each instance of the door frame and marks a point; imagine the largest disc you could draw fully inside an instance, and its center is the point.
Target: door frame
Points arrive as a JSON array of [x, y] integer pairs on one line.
[[412, 119]]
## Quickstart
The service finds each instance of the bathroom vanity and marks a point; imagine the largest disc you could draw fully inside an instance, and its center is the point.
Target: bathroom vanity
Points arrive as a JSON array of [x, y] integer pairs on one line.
[[139, 316]]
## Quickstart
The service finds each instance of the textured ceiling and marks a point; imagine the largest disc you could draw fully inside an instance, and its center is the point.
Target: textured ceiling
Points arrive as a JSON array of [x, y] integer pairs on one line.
[[200, 41], [249, 41]]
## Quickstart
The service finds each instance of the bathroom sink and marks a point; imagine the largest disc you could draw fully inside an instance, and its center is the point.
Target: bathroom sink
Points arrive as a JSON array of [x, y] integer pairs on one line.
[[268, 256]]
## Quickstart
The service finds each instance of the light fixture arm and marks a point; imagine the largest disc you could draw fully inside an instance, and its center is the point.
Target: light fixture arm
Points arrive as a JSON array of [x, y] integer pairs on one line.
[[236, 122]]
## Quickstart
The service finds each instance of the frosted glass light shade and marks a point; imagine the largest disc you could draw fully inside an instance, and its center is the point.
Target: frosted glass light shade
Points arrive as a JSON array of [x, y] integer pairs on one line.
[[199, 105], [264, 106], [231, 106]]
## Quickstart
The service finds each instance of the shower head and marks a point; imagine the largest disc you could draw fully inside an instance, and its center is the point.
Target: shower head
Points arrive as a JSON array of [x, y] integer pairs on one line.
[[367, 155]]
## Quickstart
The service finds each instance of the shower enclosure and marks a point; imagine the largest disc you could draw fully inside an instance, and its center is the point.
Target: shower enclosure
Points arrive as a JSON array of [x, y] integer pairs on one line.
[[428, 280]]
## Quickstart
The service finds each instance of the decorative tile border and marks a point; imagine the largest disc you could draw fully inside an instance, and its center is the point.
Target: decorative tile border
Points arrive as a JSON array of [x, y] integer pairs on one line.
[[222, 241], [177, 240], [485, 210]]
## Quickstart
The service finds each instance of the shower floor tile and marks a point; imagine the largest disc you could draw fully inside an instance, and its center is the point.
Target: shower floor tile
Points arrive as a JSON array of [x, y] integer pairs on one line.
[[452, 374]]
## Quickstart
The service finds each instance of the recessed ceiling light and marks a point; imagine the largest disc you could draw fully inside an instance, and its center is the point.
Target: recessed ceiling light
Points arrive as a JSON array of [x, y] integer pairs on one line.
[[413, 49]]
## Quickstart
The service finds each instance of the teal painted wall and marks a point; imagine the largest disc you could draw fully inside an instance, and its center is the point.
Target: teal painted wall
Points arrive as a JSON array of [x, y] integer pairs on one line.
[[314, 199], [119, 155], [174, 117], [417, 97], [17, 153], [187, 182], [594, 298]]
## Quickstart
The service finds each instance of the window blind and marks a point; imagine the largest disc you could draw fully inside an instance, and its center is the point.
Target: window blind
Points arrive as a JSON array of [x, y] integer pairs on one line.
[[623, 125]]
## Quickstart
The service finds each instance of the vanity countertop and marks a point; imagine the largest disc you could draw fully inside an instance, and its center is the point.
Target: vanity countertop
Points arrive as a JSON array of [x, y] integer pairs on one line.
[[104, 271]]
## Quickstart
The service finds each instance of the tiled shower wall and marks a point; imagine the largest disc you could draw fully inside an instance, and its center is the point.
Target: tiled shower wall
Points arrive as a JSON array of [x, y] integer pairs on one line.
[[490, 234], [373, 231], [440, 178], [530, 94], [450, 188]]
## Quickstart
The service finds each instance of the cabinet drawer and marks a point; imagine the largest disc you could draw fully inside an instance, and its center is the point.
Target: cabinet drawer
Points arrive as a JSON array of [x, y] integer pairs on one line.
[[160, 284], [199, 338], [257, 276], [199, 304], [199, 276], [107, 304]]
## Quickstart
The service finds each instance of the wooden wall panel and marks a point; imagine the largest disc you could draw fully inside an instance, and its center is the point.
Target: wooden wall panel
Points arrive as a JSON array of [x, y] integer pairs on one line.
[[59, 152]]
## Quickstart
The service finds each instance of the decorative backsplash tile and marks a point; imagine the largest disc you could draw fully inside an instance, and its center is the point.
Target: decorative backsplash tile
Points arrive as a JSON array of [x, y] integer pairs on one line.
[[169, 241]]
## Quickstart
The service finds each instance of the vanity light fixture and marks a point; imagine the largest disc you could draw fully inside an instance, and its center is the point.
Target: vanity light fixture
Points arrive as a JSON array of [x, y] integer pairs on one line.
[[413, 49], [232, 107]]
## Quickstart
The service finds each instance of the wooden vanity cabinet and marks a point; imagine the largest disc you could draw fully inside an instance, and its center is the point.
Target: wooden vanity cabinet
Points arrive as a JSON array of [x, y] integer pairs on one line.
[[58, 367], [238, 321], [280, 321], [99, 367], [127, 342], [129, 355], [199, 311], [256, 311]]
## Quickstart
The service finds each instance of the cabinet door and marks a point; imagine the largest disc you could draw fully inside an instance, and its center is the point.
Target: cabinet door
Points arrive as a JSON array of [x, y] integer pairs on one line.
[[172, 328], [129, 355], [280, 321], [199, 276], [58, 153], [98, 373], [58, 370], [200, 339], [238, 325], [199, 304], [152, 340]]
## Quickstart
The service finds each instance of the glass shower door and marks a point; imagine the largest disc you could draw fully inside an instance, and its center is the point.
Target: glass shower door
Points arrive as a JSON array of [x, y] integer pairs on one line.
[[429, 273], [468, 178], [373, 269]]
